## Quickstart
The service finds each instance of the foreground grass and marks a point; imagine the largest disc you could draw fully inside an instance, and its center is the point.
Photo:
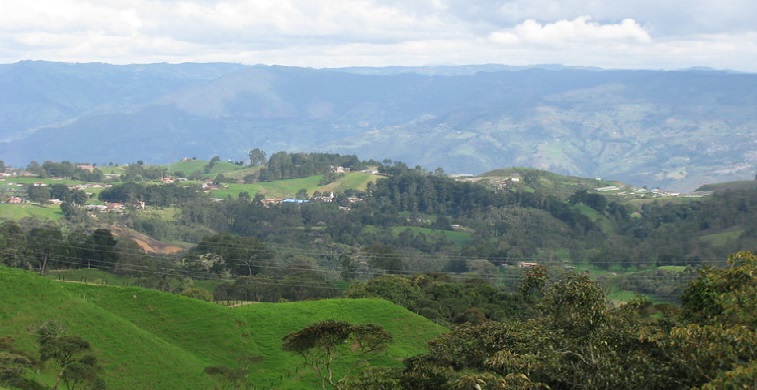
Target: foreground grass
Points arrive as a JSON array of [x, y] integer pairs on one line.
[[148, 339]]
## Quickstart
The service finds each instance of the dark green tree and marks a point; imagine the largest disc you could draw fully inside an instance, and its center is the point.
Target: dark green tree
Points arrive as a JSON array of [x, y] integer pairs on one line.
[[14, 365], [257, 157], [47, 245], [98, 250], [384, 257], [39, 194], [321, 343], [13, 245], [77, 367]]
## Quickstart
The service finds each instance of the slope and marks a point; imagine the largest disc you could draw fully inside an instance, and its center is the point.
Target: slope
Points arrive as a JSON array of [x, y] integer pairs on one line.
[[149, 339]]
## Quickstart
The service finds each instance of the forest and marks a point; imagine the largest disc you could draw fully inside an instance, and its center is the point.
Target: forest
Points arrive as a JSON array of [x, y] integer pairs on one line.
[[526, 268]]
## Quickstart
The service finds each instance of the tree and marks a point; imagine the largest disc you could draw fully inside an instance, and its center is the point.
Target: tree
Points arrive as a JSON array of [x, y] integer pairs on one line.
[[39, 194], [13, 245], [99, 250], [301, 194], [71, 354], [46, 242], [238, 255], [35, 169], [257, 157], [384, 257], [724, 295], [717, 344], [198, 293], [14, 364], [323, 343], [577, 342]]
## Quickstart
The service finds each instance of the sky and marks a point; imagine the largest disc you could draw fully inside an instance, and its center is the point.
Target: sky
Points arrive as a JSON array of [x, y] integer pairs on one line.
[[637, 34]]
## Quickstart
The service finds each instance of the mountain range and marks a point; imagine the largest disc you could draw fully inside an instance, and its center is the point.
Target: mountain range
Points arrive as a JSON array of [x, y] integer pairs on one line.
[[671, 129]]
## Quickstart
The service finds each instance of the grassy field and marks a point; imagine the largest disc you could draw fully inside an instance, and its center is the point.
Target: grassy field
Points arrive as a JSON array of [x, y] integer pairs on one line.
[[190, 167], [288, 188], [14, 212], [722, 238], [151, 340]]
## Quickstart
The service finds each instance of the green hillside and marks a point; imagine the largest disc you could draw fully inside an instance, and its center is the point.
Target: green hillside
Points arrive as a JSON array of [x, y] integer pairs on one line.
[[289, 187], [530, 179], [149, 339]]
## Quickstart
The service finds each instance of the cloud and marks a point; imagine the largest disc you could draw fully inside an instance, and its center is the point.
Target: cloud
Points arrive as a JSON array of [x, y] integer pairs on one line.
[[332, 33], [581, 29]]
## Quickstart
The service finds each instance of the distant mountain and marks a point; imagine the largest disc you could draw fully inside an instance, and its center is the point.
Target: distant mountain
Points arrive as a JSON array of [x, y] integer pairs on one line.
[[674, 129]]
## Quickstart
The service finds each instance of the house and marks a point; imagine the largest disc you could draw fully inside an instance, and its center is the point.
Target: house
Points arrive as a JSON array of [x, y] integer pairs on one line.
[[271, 201], [297, 201], [115, 206], [523, 264], [325, 198], [15, 200], [86, 167], [96, 207]]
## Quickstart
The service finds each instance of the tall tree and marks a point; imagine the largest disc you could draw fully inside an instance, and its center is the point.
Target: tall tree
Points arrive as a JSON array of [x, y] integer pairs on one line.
[[321, 343], [71, 353], [99, 250], [257, 157], [47, 245]]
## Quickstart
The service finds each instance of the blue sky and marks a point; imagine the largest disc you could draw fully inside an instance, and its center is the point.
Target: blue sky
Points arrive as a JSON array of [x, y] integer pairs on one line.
[[645, 34]]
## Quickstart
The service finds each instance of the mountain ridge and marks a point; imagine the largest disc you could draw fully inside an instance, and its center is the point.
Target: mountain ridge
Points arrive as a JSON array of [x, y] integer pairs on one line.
[[672, 129]]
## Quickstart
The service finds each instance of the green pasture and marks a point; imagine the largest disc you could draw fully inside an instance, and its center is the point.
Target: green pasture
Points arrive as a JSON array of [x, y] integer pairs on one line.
[[15, 212], [722, 238], [152, 340], [289, 187], [190, 167]]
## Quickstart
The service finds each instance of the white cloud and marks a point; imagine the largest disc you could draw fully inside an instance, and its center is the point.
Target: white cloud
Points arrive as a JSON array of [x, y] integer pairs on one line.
[[581, 29], [330, 33]]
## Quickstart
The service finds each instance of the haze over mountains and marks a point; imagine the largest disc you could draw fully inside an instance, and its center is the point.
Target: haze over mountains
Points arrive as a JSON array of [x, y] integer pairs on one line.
[[675, 130]]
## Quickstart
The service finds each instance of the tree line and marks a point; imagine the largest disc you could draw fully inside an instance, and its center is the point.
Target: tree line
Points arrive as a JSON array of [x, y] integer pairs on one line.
[[576, 340]]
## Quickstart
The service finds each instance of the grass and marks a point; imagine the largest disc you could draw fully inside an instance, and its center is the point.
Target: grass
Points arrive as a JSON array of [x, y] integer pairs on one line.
[[192, 166], [15, 212], [89, 275], [722, 238], [672, 268], [621, 295], [148, 339], [48, 180], [288, 188], [355, 180]]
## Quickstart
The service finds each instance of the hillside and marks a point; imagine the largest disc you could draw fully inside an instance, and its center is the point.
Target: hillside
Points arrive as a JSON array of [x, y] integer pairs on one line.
[[676, 130], [148, 339]]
